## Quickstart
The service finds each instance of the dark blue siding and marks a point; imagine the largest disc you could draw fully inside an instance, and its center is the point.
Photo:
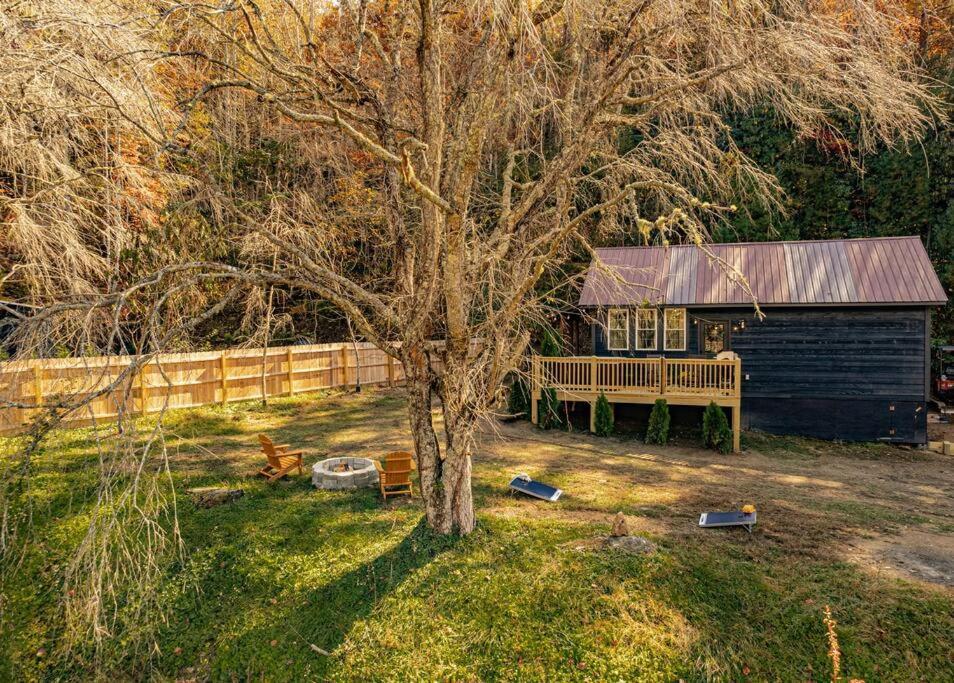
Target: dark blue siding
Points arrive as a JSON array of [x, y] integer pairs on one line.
[[836, 373]]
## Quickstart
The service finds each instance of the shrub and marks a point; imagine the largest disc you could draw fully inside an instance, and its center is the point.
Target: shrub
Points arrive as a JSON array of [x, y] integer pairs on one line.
[[658, 430], [603, 416], [518, 400], [551, 410], [715, 429], [551, 344]]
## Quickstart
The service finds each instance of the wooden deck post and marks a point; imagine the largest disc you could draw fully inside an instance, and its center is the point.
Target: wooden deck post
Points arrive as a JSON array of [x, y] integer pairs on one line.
[[224, 371], [662, 375], [737, 427], [534, 388], [738, 378], [291, 371], [737, 410]]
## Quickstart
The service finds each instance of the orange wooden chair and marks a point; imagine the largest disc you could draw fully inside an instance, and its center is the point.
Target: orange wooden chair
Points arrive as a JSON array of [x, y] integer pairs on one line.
[[395, 474], [281, 461]]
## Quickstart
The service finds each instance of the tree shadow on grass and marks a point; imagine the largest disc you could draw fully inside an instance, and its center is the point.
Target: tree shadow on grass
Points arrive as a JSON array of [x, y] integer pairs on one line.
[[325, 614]]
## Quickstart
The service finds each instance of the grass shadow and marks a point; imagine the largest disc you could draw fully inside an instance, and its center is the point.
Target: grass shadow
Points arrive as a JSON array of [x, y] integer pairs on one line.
[[322, 615]]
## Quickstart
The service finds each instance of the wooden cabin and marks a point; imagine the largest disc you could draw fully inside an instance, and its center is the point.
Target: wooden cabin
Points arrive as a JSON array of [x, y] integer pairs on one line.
[[842, 351]]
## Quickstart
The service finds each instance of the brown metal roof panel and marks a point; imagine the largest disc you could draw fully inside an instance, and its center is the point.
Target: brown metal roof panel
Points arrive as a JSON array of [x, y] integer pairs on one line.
[[915, 272], [795, 277], [930, 286], [681, 273], [706, 284]]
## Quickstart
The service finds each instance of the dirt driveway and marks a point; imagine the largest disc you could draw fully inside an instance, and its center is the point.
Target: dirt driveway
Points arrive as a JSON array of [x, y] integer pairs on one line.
[[888, 509]]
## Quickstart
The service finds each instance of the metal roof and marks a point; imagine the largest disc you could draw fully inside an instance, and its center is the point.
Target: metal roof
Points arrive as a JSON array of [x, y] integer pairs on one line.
[[877, 270]]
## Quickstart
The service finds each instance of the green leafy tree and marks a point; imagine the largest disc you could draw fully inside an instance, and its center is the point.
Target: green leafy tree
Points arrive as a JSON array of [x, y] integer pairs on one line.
[[715, 429], [829, 195], [658, 430], [603, 417]]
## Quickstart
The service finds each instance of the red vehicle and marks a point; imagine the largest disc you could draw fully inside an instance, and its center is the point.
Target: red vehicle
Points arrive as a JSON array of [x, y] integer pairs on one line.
[[943, 373]]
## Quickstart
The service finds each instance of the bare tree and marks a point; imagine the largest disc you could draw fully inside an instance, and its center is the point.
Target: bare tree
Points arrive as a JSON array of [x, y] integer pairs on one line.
[[483, 140]]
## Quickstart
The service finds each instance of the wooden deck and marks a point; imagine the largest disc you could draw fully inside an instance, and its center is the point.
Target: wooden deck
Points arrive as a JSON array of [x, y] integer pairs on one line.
[[681, 381]]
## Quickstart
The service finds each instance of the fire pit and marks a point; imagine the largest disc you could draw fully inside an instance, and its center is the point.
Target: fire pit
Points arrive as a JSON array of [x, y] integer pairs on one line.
[[344, 473]]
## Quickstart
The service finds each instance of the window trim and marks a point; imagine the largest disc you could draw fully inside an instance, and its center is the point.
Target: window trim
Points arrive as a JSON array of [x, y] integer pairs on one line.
[[685, 331], [655, 329], [609, 330]]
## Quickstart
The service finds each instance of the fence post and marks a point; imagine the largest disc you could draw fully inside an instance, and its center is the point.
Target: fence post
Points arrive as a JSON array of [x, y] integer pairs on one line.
[[291, 373], [224, 371], [38, 388], [390, 361], [141, 381], [344, 366]]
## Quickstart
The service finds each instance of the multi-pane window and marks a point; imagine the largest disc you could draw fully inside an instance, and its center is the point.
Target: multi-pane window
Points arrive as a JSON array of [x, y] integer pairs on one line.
[[617, 325], [646, 329], [713, 337], [675, 332]]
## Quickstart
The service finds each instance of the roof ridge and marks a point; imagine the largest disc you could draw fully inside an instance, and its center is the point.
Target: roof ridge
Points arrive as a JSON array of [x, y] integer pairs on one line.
[[880, 238]]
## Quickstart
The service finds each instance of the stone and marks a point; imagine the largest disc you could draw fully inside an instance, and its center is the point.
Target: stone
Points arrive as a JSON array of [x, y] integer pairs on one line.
[[620, 528], [210, 496], [936, 446], [634, 545], [949, 448], [361, 472]]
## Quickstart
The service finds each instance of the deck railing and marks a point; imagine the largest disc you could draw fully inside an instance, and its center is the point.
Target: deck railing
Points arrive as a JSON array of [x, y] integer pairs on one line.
[[698, 377]]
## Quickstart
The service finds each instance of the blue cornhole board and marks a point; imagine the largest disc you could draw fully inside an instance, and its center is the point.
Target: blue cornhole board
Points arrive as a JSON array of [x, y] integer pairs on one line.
[[714, 519], [525, 484]]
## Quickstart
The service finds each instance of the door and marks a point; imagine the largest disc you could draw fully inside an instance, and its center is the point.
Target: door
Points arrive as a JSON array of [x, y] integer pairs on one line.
[[715, 336]]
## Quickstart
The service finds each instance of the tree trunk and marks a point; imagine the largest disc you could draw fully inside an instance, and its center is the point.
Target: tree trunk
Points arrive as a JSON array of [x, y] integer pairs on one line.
[[445, 478]]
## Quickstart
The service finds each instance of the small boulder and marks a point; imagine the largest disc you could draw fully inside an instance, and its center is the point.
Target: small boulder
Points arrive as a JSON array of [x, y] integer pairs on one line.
[[211, 496], [634, 545]]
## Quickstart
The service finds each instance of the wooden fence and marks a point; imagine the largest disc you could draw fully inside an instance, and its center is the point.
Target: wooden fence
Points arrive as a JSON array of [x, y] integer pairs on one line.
[[185, 380]]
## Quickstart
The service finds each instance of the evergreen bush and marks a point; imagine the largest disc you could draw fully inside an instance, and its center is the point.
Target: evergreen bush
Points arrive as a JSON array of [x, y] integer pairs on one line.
[[603, 417], [551, 410], [551, 344], [715, 429], [518, 400], [658, 430]]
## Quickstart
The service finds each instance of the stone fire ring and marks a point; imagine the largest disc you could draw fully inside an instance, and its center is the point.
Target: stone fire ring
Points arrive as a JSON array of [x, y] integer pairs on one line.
[[361, 472]]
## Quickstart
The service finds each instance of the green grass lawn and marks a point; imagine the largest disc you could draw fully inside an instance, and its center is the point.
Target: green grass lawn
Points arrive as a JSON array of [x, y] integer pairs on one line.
[[524, 597]]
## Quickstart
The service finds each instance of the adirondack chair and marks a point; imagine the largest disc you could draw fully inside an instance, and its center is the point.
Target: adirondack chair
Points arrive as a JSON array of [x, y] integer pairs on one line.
[[395, 474], [281, 461]]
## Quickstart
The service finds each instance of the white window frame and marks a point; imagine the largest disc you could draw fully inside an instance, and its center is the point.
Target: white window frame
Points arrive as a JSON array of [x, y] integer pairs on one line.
[[609, 330], [685, 331], [654, 312]]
